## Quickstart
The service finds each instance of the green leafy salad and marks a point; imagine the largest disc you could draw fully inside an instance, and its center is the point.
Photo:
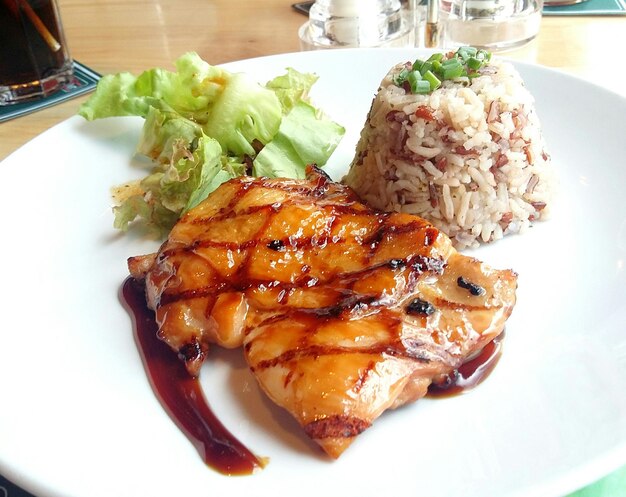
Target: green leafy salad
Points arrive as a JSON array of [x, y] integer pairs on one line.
[[205, 125]]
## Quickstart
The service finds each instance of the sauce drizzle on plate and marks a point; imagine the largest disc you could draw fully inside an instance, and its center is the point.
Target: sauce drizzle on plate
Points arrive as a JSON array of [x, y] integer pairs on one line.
[[471, 373], [181, 394]]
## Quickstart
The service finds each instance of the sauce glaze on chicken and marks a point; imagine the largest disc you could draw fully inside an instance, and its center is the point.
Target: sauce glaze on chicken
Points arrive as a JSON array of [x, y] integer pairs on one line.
[[342, 311]]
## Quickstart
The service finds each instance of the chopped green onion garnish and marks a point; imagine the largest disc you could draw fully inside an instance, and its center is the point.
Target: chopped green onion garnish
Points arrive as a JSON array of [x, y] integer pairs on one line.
[[401, 77], [422, 86], [417, 65], [414, 78], [474, 63], [426, 76], [426, 66], [466, 52], [432, 80], [418, 85], [451, 62], [452, 72]]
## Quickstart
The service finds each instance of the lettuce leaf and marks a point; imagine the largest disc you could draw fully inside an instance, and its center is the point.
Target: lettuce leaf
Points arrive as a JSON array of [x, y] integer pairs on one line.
[[242, 114], [164, 132], [302, 139], [173, 188], [292, 87], [205, 125], [189, 91]]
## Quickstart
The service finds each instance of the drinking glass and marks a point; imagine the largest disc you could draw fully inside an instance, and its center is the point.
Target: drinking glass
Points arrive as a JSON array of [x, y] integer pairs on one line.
[[356, 23], [34, 58], [490, 24]]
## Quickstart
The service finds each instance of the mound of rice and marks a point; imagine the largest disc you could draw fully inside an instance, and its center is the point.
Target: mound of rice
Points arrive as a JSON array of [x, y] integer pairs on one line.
[[469, 157]]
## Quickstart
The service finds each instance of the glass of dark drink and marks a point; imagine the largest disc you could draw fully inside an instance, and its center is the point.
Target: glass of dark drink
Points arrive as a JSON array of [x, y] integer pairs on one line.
[[34, 59]]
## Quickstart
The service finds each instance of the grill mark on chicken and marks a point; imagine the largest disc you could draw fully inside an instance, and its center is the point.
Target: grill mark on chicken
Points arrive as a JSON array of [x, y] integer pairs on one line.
[[395, 230], [168, 298], [463, 306], [319, 239], [286, 244], [228, 211], [363, 376], [348, 304], [336, 426], [317, 288], [418, 265], [394, 348]]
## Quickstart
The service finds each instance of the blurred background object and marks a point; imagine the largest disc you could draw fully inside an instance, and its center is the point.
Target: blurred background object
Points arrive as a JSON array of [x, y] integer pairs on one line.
[[490, 24], [356, 23]]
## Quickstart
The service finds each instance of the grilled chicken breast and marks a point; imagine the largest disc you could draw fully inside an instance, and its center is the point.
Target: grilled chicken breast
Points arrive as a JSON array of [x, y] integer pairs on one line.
[[342, 311]]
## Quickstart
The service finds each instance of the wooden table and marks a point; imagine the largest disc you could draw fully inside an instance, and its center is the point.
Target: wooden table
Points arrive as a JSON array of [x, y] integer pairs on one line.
[[117, 35]]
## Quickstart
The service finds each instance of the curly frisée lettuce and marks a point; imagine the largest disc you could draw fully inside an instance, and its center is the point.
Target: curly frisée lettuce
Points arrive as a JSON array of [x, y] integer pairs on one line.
[[203, 126]]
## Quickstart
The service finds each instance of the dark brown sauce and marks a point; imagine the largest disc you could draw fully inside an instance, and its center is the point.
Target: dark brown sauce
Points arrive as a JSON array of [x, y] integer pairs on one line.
[[181, 394], [471, 373]]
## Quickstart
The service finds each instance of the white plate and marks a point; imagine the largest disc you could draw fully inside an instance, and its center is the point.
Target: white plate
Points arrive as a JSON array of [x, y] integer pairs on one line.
[[78, 418]]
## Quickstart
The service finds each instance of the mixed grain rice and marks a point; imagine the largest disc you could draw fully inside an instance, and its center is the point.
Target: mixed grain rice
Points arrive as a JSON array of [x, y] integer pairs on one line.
[[469, 157]]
